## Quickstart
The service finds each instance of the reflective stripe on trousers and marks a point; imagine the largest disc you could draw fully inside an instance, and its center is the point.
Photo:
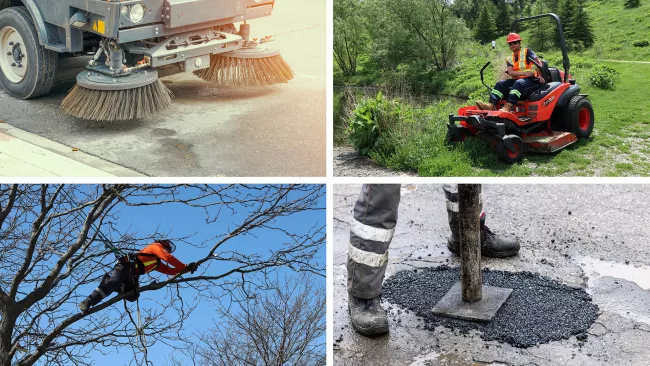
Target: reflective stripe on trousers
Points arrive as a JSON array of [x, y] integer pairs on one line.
[[373, 225]]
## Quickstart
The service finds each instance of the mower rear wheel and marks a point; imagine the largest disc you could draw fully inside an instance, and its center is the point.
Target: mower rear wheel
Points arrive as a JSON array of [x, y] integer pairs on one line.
[[27, 69], [511, 156], [578, 117]]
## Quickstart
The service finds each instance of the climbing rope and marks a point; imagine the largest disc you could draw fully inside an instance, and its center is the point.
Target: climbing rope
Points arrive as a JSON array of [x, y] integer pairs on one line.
[[141, 341]]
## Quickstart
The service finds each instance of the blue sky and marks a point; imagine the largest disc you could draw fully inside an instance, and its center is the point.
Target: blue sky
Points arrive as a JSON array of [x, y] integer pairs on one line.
[[185, 221]]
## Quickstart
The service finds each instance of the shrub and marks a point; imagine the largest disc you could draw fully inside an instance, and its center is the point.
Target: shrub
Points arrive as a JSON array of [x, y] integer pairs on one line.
[[632, 4], [603, 77], [374, 118], [644, 43]]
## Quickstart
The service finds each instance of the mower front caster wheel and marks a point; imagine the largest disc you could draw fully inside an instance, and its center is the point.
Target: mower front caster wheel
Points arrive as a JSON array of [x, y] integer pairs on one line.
[[27, 69], [456, 134], [511, 149]]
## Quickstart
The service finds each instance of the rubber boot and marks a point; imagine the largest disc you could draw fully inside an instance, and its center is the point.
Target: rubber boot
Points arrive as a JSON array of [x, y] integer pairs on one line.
[[491, 245], [507, 107], [485, 106], [367, 316]]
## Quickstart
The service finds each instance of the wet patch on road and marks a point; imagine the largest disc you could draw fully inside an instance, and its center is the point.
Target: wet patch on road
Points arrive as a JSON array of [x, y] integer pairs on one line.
[[539, 310]]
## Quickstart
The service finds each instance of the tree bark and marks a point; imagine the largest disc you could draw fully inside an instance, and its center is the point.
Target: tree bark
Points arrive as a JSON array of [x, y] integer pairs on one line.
[[470, 241]]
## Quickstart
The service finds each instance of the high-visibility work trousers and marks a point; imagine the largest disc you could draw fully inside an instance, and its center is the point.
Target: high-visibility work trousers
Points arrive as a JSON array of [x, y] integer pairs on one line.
[[510, 89], [123, 278], [373, 226]]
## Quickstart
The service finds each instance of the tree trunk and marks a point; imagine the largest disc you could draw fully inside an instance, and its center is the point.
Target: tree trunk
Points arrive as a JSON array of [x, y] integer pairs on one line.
[[470, 241]]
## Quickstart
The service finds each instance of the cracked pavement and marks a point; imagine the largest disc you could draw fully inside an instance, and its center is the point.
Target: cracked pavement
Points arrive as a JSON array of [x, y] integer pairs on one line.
[[590, 236]]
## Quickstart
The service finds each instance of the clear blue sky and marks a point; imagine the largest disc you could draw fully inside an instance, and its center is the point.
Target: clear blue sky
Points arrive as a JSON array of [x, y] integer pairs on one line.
[[185, 221]]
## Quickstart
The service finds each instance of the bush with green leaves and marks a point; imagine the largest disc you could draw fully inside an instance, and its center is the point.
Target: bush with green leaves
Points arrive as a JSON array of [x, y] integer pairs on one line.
[[603, 77], [643, 43], [373, 119], [632, 4]]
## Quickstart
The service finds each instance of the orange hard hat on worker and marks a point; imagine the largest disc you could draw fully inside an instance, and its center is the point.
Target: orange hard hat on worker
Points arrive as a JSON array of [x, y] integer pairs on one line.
[[513, 37]]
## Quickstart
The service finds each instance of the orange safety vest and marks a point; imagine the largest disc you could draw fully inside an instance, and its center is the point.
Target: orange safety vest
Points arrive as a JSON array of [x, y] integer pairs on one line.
[[150, 261], [520, 63]]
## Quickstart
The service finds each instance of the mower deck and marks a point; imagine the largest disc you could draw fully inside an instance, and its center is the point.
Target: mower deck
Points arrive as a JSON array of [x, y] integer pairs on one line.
[[549, 142]]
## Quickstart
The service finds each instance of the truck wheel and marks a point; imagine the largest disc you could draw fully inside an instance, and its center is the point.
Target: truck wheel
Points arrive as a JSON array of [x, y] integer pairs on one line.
[[578, 117], [27, 69], [511, 156]]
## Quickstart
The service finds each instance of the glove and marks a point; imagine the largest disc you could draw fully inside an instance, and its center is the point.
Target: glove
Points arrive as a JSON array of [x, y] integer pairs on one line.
[[192, 267]]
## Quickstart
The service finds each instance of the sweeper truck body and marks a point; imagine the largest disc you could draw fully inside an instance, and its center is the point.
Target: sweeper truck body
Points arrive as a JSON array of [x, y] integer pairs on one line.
[[131, 43]]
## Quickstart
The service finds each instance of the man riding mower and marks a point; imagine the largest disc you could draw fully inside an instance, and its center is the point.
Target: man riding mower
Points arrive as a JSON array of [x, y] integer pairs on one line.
[[544, 111], [125, 275]]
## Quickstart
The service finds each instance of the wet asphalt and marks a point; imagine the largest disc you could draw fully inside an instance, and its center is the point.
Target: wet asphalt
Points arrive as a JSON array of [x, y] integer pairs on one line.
[[585, 240]]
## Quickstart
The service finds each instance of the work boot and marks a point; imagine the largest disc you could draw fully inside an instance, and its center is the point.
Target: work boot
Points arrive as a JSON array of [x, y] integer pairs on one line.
[[491, 245], [84, 306], [485, 106], [507, 107], [367, 316]]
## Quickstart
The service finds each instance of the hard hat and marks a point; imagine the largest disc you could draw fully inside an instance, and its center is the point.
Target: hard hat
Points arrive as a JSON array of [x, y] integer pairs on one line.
[[168, 244], [513, 37]]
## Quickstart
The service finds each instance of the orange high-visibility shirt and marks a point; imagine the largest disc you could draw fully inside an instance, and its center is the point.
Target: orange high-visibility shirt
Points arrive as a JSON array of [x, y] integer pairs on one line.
[[155, 253]]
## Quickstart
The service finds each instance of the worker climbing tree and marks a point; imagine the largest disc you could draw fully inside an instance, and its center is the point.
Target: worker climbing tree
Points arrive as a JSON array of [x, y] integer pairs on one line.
[[128, 269], [57, 243]]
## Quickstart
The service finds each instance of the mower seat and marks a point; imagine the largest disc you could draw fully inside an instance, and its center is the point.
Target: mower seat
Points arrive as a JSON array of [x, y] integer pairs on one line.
[[555, 74], [546, 74], [543, 91]]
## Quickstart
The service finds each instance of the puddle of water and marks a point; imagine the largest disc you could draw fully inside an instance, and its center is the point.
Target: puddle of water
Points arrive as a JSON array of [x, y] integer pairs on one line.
[[595, 269], [625, 298]]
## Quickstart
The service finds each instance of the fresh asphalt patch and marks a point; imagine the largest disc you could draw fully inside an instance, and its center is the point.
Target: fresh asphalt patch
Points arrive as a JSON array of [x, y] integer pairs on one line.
[[538, 311]]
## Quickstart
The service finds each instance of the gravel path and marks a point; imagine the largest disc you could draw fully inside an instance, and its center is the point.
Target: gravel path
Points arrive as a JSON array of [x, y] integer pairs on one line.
[[347, 163]]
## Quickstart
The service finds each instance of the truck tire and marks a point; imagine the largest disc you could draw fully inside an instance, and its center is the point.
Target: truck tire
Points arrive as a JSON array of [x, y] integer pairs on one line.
[[27, 69]]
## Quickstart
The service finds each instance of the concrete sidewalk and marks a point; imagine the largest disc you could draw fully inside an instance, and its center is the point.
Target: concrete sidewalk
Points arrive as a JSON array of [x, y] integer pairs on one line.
[[23, 154]]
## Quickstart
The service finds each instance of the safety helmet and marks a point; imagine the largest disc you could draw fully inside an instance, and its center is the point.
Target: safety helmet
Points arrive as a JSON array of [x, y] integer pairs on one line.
[[167, 244], [513, 37]]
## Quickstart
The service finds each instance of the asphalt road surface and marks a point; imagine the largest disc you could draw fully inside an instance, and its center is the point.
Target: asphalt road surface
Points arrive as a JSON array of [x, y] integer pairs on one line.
[[593, 237], [210, 131]]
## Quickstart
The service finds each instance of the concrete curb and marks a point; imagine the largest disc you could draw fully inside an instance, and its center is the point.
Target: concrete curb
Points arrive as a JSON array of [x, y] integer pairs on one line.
[[23, 154]]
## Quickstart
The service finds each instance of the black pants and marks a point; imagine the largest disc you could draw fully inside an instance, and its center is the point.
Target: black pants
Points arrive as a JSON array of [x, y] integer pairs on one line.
[[122, 278], [511, 89]]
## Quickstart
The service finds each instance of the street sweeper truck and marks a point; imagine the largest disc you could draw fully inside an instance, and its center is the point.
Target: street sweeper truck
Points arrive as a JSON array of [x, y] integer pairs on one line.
[[131, 44]]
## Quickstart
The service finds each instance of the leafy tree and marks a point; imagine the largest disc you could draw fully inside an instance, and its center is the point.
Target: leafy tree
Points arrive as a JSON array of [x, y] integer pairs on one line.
[[567, 13], [433, 24], [543, 30], [486, 29], [504, 18], [350, 35], [582, 31]]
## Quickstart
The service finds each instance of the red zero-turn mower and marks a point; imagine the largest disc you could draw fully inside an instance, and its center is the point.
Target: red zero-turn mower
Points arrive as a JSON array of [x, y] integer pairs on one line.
[[547, 118]]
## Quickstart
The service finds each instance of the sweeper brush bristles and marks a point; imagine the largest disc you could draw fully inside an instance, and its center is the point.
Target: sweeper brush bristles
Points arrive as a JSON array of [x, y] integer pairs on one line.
[[117, 105], [246, 71]]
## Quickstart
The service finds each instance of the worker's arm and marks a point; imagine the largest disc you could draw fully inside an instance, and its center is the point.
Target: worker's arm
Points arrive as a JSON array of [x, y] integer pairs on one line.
[[163, 268], [167, 257], [514, 73]]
